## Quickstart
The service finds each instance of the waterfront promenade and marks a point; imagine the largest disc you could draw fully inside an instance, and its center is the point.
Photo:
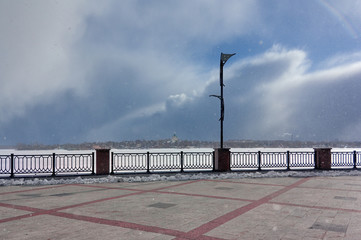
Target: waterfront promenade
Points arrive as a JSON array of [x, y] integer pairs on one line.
[[248, 208]]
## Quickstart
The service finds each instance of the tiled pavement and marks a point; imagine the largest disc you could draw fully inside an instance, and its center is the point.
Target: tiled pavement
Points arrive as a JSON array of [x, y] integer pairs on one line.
[[263, 208]]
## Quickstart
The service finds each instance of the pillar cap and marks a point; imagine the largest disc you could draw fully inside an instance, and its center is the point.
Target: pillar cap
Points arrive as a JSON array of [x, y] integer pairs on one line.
[[325, 148], [102, 149]]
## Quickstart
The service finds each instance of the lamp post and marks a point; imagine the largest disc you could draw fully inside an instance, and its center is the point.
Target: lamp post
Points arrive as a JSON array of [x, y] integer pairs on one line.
[[224, 58]]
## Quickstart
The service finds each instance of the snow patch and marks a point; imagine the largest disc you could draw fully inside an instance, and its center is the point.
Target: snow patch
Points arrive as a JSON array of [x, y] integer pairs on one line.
[[174, 177]]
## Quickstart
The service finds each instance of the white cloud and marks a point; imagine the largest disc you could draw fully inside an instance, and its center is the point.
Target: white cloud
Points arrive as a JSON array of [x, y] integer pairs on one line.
[[341, 59], [178, 100], [294, 99]]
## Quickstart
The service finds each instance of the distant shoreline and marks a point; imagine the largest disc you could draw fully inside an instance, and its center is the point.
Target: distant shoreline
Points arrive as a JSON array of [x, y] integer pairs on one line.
[[168, 143]]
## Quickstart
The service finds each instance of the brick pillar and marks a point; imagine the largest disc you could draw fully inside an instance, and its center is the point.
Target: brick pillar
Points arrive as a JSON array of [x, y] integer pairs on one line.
[[323, 158], [102, 161], [222, 160]]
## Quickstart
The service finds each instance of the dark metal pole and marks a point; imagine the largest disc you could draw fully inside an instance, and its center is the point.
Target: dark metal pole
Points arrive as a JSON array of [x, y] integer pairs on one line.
[[221, 98], [223, 60]]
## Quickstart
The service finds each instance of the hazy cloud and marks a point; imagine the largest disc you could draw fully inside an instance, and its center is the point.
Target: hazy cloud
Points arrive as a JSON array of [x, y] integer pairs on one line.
[[79, 70]]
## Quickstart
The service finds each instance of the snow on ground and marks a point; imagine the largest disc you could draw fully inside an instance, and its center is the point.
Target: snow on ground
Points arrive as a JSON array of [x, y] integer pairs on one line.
[[175, 177]]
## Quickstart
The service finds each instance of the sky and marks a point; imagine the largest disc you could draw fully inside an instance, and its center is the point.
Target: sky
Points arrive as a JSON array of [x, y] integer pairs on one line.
[[75, 71]]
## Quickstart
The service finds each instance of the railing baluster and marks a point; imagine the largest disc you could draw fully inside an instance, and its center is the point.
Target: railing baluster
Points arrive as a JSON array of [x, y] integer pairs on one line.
[[182, 161], [12, 165], [54, 164], [148, 162], [354, 159], [112, 164], [288, 160], [93, 164]]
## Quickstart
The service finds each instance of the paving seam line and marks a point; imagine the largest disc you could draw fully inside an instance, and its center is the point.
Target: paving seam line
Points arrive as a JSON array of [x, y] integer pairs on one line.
[[205, 196], [249, 183], [317, 207], [331, 189]]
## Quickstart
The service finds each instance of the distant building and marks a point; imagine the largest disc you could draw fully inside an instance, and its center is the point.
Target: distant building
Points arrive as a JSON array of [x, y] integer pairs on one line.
[[174, 138]]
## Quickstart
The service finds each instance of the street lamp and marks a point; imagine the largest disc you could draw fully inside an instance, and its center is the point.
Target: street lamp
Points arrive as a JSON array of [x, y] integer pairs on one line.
[[224, 58]]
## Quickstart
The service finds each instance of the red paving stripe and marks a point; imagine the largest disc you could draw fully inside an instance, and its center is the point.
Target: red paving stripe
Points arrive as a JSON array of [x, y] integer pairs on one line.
[[122, 224], [193, 234], [34, 212], [23, 208], [202, 237], [18, 217], [35, 189]]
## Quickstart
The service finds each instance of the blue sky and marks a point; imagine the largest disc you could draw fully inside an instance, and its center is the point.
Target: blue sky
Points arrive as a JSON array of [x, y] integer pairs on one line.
[[74, 71]]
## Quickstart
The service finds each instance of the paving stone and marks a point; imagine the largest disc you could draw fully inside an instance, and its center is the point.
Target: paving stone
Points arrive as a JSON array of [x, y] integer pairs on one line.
[[345, 198], [329, 227], [275, 208], [162, 205], [30, 195], [224, 188]]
